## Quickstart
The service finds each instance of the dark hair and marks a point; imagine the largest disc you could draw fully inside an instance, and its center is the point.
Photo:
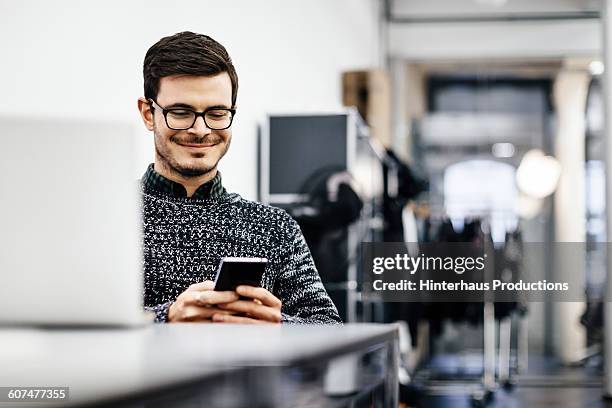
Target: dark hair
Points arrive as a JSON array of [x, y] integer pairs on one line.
[[186, 53]]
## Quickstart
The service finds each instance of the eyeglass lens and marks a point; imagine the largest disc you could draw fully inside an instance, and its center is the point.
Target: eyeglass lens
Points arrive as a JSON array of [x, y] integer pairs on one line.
[[216, 119]]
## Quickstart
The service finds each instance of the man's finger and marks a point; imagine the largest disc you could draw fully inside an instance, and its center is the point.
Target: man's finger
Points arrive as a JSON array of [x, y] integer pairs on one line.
[[222, 318], [206, 285], [194, 313], [261, 294], [211, 297], [259, 312]]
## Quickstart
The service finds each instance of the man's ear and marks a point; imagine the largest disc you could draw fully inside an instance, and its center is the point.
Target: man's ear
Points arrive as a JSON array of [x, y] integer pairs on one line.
[[146, 113]]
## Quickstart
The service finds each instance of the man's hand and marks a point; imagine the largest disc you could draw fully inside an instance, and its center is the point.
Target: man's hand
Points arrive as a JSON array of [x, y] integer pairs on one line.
[[264, 308], [199, 303]]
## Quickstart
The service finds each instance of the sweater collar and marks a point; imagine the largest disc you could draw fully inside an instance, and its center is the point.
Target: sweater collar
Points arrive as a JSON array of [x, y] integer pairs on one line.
[[152, 180]]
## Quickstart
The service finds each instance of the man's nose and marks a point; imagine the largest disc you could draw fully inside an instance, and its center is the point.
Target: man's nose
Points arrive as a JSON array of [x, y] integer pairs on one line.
[[199, 127]]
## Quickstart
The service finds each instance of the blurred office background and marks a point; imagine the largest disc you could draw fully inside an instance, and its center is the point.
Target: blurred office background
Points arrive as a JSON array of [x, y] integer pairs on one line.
[[443, 120]]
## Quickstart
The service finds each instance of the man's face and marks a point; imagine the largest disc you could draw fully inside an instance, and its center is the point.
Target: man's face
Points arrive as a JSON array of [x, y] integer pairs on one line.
[[195, 151]]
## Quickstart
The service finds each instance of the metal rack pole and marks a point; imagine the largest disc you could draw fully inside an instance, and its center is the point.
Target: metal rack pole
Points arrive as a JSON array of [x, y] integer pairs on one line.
[[488, 377], [505, 333]]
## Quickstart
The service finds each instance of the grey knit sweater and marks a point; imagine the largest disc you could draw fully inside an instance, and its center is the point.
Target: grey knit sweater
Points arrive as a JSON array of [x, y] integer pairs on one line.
[[185, 238]]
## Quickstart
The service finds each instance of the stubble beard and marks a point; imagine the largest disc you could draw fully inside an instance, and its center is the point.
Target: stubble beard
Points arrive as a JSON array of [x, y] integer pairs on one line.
[[172, 165]]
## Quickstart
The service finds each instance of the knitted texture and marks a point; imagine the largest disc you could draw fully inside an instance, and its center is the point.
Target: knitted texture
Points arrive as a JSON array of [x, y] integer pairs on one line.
[[185, 239]]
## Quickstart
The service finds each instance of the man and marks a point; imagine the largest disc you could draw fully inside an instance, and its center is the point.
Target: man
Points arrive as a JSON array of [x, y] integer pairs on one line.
[[191, 222]]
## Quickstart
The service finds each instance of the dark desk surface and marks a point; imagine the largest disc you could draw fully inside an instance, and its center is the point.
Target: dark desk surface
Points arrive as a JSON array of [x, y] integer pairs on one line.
[[107, 364]]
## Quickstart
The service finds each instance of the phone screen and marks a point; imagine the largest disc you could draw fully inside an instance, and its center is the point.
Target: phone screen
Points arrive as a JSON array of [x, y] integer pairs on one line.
[[233, 272]]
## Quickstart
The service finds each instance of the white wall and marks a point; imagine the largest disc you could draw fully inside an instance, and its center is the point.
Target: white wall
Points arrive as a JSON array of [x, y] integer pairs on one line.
[[84, 59]]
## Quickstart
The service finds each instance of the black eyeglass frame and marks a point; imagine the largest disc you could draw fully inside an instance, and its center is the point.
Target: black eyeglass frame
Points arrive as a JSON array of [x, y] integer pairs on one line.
[[197, 114]]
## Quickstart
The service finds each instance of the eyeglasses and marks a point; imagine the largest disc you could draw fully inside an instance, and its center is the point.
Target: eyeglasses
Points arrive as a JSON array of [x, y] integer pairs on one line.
[[185, 118]]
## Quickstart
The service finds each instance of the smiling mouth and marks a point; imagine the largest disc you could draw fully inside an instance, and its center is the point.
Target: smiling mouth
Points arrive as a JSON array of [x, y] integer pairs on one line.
[[197, 145]]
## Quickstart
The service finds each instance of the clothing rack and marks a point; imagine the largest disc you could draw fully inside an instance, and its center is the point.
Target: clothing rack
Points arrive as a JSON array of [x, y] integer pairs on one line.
[[489, 382]]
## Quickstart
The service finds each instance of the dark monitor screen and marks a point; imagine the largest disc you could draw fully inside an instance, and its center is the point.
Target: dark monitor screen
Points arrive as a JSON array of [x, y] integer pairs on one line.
[[301, 145]]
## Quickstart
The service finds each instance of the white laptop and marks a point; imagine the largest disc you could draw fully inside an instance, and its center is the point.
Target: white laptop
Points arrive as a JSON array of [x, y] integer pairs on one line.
[[70, 250]]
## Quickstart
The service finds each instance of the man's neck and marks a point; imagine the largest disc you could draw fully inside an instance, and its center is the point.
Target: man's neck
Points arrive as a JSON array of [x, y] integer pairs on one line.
[[191, 184]]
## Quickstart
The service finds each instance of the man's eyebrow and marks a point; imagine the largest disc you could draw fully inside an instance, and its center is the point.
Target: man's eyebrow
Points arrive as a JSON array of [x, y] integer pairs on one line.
[[218, 107], [187, 106]]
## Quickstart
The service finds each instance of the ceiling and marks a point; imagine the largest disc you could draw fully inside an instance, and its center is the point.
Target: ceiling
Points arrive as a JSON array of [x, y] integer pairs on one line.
[[423, 11], [544, 68]]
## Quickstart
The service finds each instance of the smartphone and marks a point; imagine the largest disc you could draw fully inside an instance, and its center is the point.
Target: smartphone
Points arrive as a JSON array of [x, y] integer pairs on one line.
[[233, 272]]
